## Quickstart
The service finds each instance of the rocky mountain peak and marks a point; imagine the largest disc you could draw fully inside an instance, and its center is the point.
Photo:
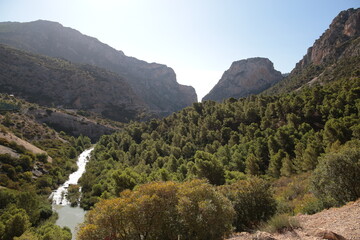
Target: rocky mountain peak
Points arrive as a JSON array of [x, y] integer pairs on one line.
[[333, 42], [245, 77]]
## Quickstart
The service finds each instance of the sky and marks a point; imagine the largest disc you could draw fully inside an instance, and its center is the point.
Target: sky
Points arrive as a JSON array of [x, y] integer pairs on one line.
[[199, 39]]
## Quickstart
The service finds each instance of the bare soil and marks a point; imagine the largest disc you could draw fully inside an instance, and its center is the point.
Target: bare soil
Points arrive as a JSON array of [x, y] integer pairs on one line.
[[28, 146], [334, 224]]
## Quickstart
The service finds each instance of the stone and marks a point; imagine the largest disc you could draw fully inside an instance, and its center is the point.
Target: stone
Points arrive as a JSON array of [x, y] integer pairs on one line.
[[326, 234], [243, 78]]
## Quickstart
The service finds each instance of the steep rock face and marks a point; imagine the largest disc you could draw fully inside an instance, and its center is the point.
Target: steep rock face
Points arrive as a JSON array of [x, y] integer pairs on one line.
[[333, 43], [55, 82], [335, 54], [243, 78], [71, 124], [154, 83]]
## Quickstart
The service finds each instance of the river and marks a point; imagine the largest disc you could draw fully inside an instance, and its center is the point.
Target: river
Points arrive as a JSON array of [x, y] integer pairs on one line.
[[70, 216]]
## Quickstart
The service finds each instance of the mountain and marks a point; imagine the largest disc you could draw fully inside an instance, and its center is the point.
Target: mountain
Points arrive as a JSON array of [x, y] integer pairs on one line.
[[243, 78], [56, 82], [154, 83], [336, 53]]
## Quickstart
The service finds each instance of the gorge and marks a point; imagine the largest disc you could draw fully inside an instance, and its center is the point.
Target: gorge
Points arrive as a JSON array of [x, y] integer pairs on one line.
[[70, 216]]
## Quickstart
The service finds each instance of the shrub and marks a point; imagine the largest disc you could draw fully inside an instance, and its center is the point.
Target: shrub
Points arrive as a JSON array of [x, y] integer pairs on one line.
[[252, 200], [204, 212], [42, 157], [280, 223], [336, 179], [310, 205], [161, 210]]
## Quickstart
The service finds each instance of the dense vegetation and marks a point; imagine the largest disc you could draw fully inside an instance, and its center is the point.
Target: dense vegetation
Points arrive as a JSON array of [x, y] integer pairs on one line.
[[27, 179], [169, 210], [162, 211], [259, 135], [281, 139]]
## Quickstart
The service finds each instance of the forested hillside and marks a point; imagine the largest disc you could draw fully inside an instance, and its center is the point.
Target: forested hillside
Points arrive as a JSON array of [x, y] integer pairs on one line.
[[305, 144], [269, 136], [271, 156], [27, 176]]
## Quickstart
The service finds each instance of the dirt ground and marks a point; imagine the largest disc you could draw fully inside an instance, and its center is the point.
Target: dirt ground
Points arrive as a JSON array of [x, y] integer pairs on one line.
[[28, 146], [333, 224]]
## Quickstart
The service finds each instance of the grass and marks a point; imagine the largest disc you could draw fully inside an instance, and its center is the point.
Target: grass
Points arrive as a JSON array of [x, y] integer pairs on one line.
[[280, 223]]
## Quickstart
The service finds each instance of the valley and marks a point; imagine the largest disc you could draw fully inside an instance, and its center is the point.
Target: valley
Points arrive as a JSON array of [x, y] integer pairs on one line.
[[262, 148]]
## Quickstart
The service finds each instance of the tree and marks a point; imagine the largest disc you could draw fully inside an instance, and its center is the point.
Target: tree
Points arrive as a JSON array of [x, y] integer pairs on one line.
[[287, 168], [125, 179], [209, 167], [16, 222], [252, 200], [50, 231], [252, 165], [276, 162]]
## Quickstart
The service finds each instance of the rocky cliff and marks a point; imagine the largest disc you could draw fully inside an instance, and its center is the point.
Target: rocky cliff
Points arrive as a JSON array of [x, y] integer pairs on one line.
[[337, 49], [154, 83], [55, 82], [334, 43], [72, 124], [243, 78]]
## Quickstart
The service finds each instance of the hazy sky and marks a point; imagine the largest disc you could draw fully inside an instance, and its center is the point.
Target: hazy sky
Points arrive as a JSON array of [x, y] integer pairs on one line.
[[199, 39]]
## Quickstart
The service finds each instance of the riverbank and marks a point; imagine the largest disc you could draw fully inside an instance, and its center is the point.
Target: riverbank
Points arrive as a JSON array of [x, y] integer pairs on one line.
[[69, 216]]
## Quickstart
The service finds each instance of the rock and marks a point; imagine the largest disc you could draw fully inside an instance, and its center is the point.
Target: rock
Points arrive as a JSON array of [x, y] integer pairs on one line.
[[333, 55], [332, 44], [155, 84], [71, 124], [325, 234], [263, 236], [243, 78]]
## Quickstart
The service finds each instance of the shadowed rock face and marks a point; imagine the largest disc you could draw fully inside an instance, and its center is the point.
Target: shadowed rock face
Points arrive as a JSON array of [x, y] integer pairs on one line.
[[154, 83], [55, 82], [71, 124], [243, 78]]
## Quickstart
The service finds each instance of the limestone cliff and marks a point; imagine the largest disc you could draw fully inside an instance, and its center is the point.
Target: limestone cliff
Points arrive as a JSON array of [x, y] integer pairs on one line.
[[243, 78], [335, 54], [334, 42]]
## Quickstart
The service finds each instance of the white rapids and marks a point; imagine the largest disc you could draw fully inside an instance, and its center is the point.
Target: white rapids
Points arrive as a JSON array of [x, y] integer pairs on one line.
[[59, 196]]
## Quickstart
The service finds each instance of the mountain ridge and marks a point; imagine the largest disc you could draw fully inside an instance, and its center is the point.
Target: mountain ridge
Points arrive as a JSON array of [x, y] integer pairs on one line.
[[339, 44], [154, 83], [56, 82]]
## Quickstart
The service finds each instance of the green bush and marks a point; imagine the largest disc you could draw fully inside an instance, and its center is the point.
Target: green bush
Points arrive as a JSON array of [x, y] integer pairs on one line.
[[42, 157], [336, 179], [252, 200], [161, 210]]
